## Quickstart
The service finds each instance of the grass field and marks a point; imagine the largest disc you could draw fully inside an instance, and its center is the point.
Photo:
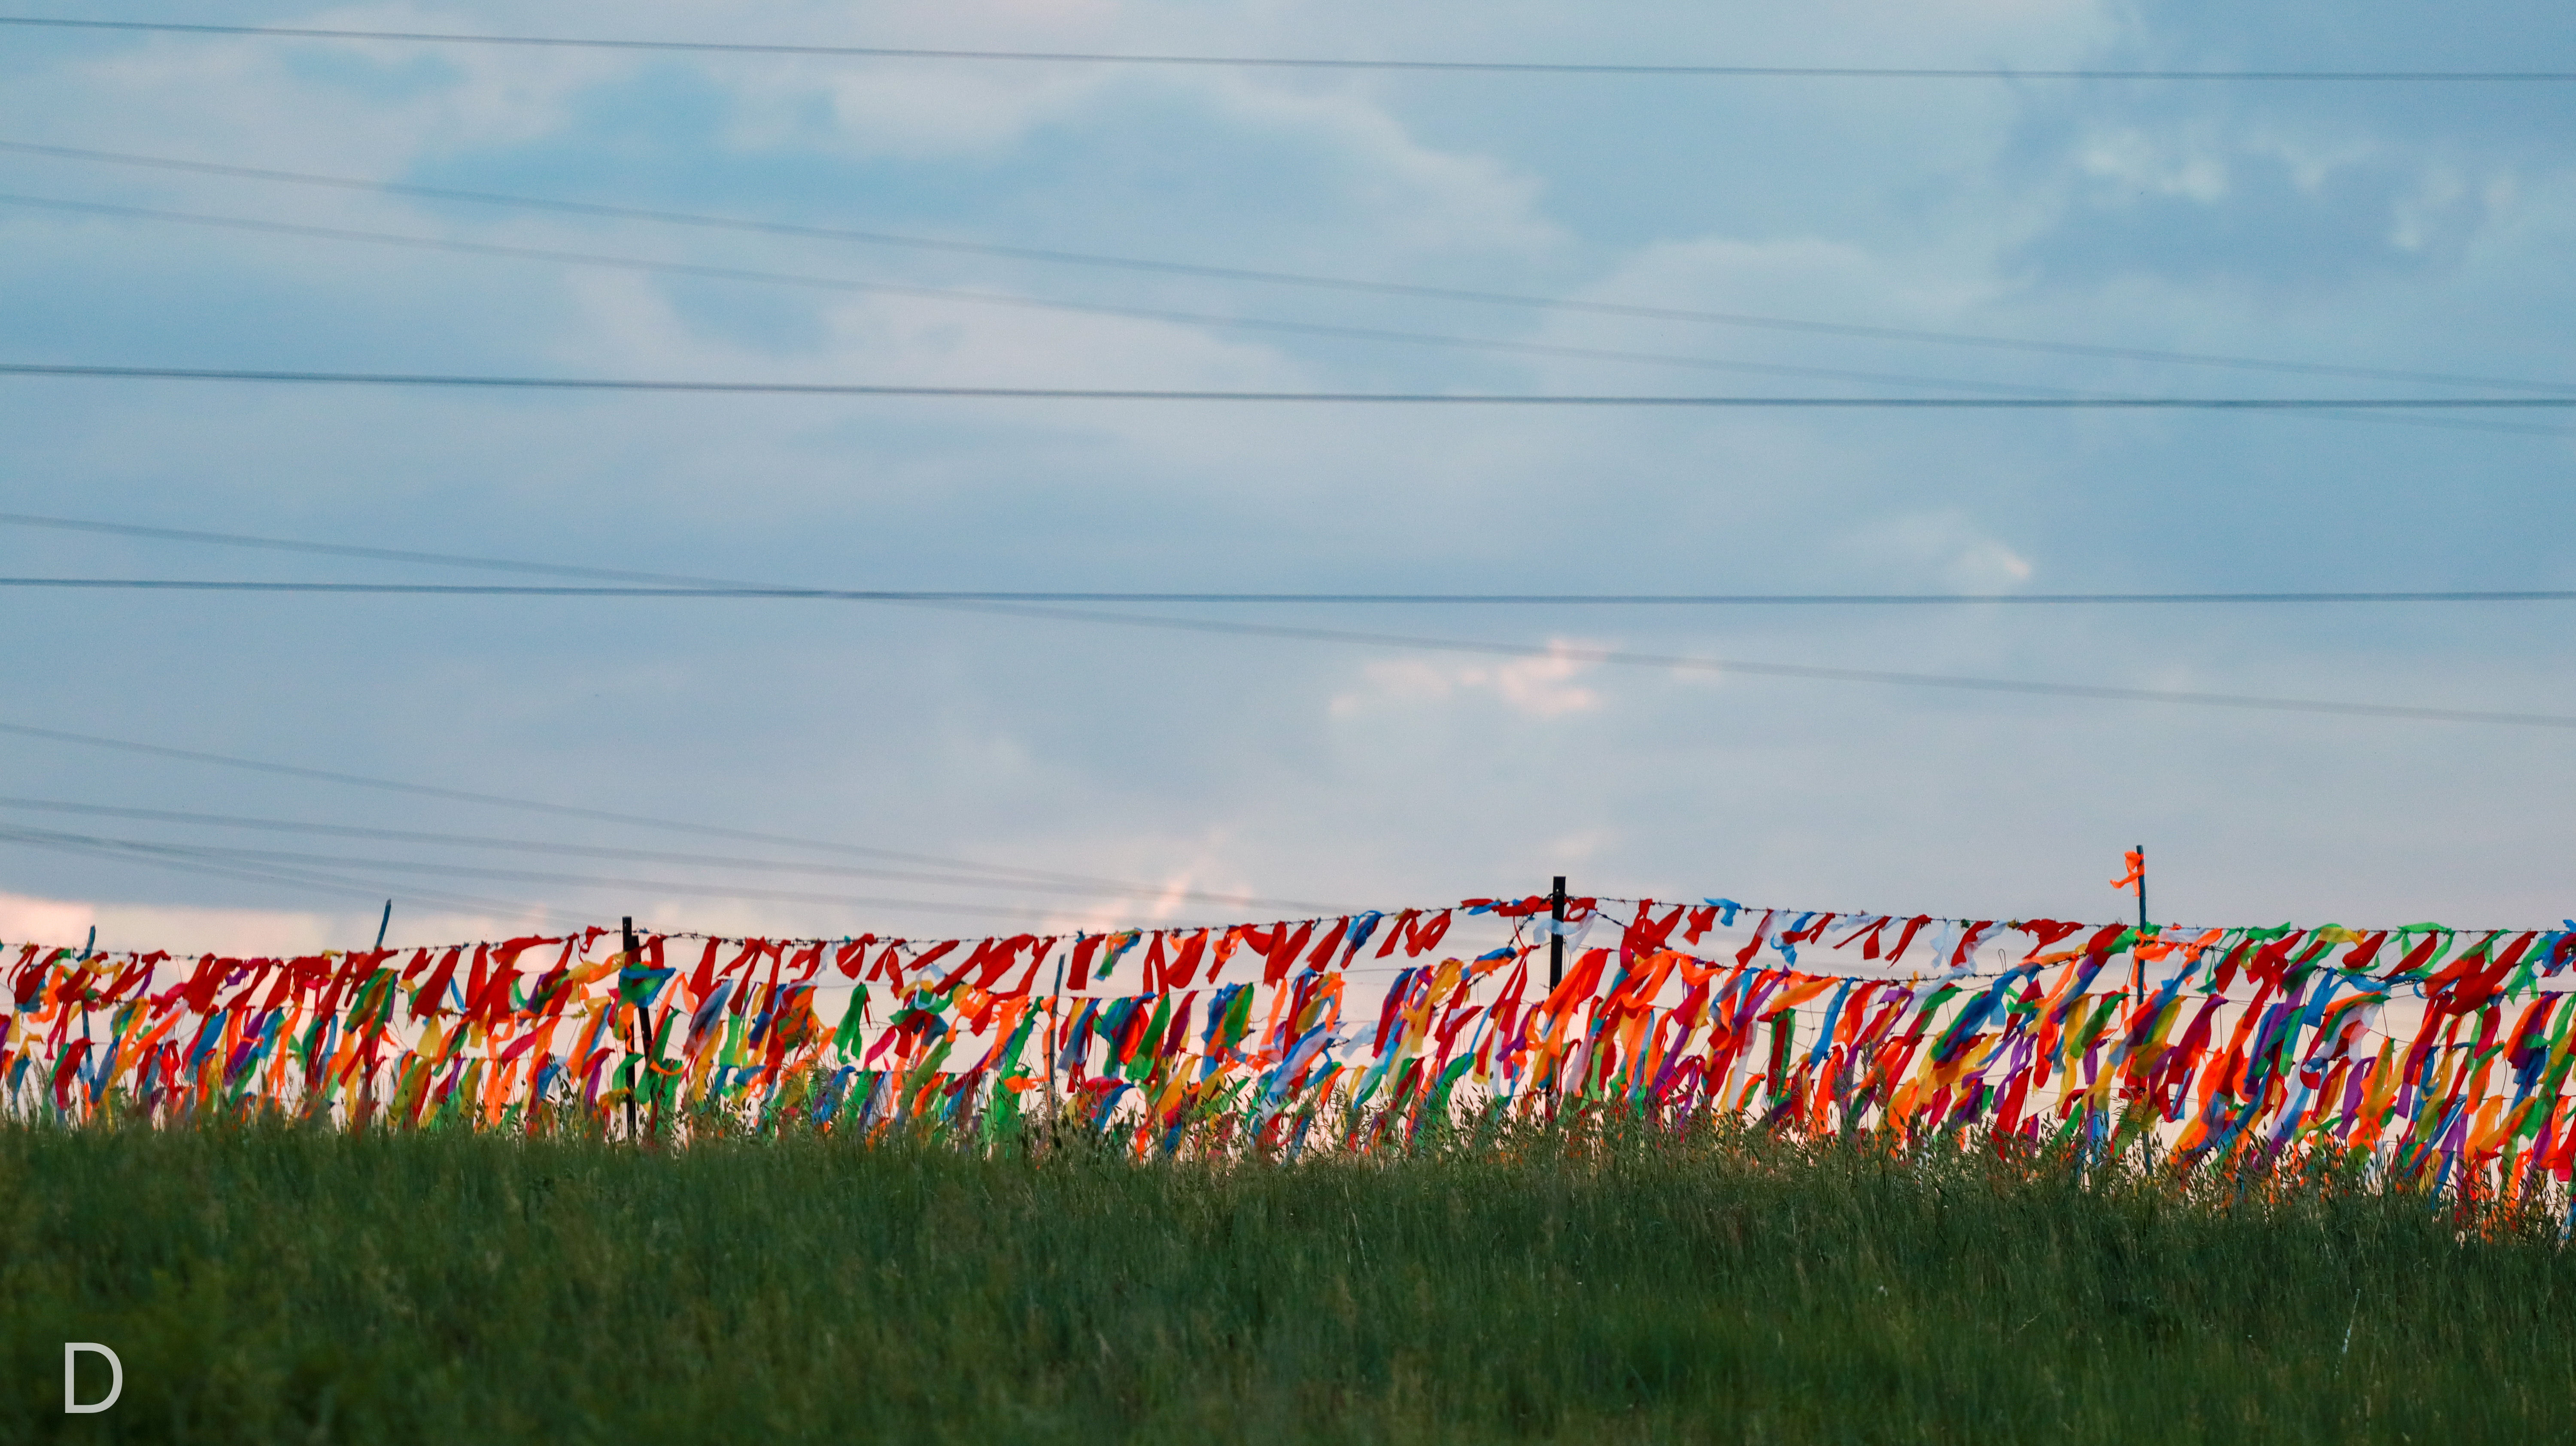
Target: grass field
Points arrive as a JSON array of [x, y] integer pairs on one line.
[[276, 1285]]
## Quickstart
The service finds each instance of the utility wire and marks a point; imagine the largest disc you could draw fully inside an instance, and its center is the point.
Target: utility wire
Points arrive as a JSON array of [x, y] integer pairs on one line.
[[309, 880], [335, 549], [1296, 279], [1155, 394], [684, 585], [526, 805], [1477, 67], [1300, 328], [482, 841], [269, 858], [182, 859], [1019, 608], [1408, 599], [1625, 658], [1653, 660], [1014, 302]]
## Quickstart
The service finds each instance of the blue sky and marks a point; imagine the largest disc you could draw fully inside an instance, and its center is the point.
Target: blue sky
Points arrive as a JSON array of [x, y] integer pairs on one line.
[[2413, 229]]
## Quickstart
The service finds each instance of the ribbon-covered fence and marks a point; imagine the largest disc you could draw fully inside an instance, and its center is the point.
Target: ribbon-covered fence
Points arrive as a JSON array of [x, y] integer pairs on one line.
[[2438, 1055]]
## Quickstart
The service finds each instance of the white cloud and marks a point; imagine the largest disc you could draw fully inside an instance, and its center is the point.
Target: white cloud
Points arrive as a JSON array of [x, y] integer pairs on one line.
[[2134, 163], [1409, 196], [1532, 687], [1944, 550]]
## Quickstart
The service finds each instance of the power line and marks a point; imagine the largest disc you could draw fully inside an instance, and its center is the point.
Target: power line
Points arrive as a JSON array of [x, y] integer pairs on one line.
[[1380, 335], [1654, 660], [1621, 657], [1193, 318], [527, 805], [214, 862], [683, 585], [292, 860], [309, 880], [1027, 608], [1476, 67], [1005, 299], [1288, 278], [1408, 599], [1150, 394], [335, 549], [482, 841]]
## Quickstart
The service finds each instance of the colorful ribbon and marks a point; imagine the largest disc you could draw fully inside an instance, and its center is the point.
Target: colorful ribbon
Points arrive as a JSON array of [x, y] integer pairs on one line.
[[2440, 1056]]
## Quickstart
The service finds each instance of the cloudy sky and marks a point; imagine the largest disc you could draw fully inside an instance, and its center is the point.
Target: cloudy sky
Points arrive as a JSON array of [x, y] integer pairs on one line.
[[937, 771]]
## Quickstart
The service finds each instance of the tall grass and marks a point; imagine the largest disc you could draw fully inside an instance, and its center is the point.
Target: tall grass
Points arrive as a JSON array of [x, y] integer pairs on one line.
[[272, 1283]]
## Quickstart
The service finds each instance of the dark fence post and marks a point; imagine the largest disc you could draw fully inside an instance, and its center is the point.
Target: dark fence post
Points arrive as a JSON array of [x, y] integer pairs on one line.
[[632, 1137], [1556, 935]]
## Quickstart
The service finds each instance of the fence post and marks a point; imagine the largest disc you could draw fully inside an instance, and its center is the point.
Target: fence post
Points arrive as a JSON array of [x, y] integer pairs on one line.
[[1556, 935], [636, 1035]]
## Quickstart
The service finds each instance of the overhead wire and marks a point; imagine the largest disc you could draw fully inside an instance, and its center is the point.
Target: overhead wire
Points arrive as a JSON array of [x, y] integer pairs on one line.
[[309, 880], [1275, 62], [1298, 279], [485, 382], [749, 592], [1818, 673], [1324, 330], [338, 549], [183, 859], [1620, 657], [530, 805], [291, 859], [598, 851], [1332, 331], [683, 584]]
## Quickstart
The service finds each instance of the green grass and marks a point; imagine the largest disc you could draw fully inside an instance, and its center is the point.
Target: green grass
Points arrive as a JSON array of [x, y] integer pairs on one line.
[[272, 1285]]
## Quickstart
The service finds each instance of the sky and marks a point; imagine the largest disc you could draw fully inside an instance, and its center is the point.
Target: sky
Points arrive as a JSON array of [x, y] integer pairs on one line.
[[2395, 239]]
